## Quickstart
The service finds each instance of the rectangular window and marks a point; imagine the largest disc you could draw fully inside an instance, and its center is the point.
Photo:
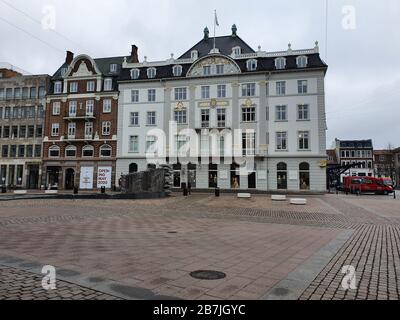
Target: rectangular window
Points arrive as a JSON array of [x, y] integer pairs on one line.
[[14, 131], [89, 107], [281, 88], [207, 70], [135, 95], [7, 113], [73, 87], [13, 151], [4, 151], [42, 92], [281, 114], [55, 129], [304, 139], [281, 141], [22, 131], [221, 91], [180, 117], [31, 113], [267, 113], [2, 97], [151, 118], [39, 131], [31, 131], [89, 130], [33, 93], [248, 90], [220, 69], [56, 108], [205, 118], [248, 143], [107, 106], [90, 85], [17, 93], [71, 130], [180, 94], [303, 112], [134, 144], [150, 143], [21, 151], [151, 94], [106, 128], [108, 85], [302, 86], [29, 151], [72, 108], [6, 132], [205, 92], [134, 119], [249, 114], [25, 93], [38, 150], [58, 87], [221, 117], [9, 94]]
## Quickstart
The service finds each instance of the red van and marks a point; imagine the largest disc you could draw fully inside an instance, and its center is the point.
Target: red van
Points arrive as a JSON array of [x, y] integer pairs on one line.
[[366, 185]]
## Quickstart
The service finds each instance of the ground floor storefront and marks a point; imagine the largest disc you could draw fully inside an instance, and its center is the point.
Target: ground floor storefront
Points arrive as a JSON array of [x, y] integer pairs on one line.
[[19, 174], [85, 175], [292, 174]]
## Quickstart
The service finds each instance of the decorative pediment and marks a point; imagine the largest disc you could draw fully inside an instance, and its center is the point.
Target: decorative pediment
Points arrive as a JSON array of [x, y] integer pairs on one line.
[[83, 66], [212, 61], [82, 71]]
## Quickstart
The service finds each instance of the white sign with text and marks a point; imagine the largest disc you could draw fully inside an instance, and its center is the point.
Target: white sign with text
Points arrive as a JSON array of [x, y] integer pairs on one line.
[[86, 179], [104, 177]]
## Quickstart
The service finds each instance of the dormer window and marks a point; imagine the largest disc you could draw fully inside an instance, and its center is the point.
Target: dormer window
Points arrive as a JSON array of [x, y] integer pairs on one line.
[[108, 84], [57, 87], [194, 55], [177, 71], [236, 51], [302, 62], [64, 71], [251, 65], [151, 73], [113, 68], [135, 74], [280, 63]]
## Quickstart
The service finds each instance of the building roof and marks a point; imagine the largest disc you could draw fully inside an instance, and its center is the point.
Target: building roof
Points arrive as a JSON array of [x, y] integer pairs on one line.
[[361, 144]]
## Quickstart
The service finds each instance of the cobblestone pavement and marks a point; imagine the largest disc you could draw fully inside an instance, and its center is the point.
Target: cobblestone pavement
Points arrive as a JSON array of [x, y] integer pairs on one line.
[[155, 244]]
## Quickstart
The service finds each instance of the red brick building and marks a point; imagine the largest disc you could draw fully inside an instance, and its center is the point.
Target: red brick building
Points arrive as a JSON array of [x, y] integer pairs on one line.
[[80, 130]]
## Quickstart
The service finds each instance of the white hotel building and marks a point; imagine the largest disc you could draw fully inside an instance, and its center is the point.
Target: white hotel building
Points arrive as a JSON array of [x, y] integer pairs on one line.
[[277, 99]]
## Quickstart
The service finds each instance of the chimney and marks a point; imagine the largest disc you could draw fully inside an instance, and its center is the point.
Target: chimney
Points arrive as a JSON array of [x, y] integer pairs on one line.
[[69, 58], [134, 54]]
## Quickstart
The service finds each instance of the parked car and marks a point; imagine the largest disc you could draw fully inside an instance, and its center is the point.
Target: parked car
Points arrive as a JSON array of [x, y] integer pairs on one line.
[[366, 185], [387, 181]]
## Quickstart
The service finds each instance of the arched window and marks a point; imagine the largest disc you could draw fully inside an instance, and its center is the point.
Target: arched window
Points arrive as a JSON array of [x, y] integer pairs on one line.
[[70, 152], [302, 62], [151, 73], [151, 166], [177, 71], [251, 65], [280, 63], [133, 167], [105, 151], [135, 73], [281, 176], [87, 151], [54, 152], [304, 169]]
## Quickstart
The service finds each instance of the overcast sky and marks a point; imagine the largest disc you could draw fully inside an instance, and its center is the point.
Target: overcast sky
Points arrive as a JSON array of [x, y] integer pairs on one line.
[[362, 84]]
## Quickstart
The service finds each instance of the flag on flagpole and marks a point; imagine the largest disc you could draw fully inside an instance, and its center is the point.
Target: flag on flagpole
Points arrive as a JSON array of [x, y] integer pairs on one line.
[[216, 19]]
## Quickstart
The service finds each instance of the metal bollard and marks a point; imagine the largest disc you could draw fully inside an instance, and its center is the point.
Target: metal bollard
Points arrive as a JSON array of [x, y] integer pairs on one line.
[[394, 194], [217, 192], [185, 192], [103, 190]]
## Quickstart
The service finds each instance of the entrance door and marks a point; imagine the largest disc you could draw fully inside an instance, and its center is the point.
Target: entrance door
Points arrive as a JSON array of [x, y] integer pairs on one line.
[[282, 180], [33, 177], [69, 179], [252, 181], [192, 176]]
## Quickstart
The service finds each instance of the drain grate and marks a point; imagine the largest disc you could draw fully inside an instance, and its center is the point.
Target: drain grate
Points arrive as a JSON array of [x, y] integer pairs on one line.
[[207, 275]]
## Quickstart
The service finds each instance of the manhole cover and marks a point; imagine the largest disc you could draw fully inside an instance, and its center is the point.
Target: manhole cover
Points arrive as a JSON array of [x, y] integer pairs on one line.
[[172, 232], [208, 275]]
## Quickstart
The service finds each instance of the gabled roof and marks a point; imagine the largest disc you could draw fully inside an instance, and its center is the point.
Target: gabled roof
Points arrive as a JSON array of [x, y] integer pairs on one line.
[[224, 44]]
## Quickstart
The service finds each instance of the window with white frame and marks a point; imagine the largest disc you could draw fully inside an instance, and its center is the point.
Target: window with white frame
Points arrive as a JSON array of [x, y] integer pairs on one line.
[[63, 71], [151, 118], [135, 95], [135, 73], [54, 152], [180, 116], [151, 73], [56, 108], [302, 62], [251, 65], [280, 88], [303, 112], [113, 68], [221, 91], [205, 118], [106, 128], [194, 54], [180, 142], [72, 108], [205, 92], [89, 107], [221, 117], [71, 130], [248, 114], [73, 87], [134, 144], [108, 85], [219, 69], [134, 119], [55, 129], [180, 94], [57, 87], [281, 141], [106, 105], [105, 151], [90, 86], [281, 113], [151, 95], [304, 140], [302, 86], [248, 90], [88, 130], [206, 70], [70, 152], [249, 143], [177, 71], [280, 63], [150, 143], [236, 51], [87, 151]]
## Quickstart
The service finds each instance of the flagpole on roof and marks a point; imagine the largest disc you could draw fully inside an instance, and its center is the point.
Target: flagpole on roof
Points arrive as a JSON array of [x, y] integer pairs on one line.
[[215, 26]]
